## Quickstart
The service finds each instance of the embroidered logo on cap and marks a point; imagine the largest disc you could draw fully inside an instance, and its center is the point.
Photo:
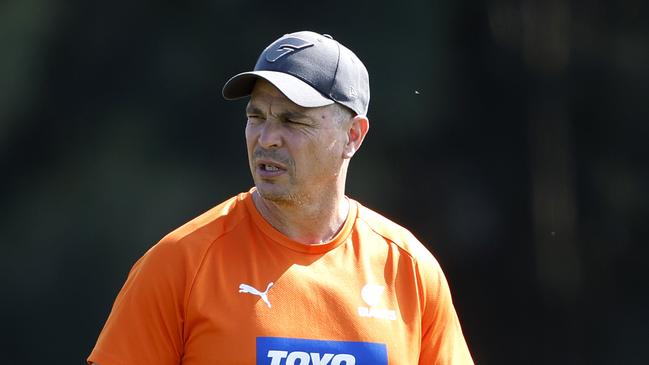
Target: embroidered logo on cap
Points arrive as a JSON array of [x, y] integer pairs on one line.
[[286, 46]]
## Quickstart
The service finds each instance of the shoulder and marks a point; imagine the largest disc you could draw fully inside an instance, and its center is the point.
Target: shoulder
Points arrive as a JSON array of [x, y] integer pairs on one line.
[[212, 223], [395, 234], [190, 242]]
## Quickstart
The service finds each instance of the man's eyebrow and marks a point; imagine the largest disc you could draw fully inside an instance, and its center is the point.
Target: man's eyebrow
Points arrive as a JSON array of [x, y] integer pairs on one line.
[[251, 109], [294, 115], [288, 114]]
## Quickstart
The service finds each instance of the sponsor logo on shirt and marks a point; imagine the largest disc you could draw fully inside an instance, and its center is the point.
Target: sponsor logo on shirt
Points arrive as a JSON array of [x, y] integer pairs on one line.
[[371, 294], [299, 351]]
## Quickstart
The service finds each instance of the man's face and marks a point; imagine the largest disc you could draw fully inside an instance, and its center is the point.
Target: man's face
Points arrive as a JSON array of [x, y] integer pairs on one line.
[[293, 152]]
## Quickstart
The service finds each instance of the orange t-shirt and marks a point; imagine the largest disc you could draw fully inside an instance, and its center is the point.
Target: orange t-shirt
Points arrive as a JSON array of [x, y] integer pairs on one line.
[[228, 288]]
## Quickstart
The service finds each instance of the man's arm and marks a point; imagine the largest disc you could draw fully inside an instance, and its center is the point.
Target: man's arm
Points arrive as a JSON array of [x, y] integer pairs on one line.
[[143, 326], [442, 338]]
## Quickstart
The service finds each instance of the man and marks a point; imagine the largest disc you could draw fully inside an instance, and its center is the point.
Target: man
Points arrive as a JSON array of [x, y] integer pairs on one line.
[[292, 271]]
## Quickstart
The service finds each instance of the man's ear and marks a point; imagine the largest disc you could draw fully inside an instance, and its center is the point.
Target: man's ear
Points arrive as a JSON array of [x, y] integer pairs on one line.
[[355, 135]]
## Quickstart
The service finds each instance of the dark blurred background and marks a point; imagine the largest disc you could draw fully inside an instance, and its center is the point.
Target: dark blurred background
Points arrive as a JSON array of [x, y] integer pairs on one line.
[[507, 135]]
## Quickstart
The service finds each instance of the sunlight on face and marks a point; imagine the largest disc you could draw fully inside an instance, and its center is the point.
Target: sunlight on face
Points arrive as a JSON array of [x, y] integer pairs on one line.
[[295, 153]]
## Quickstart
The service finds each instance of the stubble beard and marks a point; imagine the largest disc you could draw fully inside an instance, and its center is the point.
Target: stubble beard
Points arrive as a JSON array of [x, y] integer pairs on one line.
[[280, 193], [282, 196]]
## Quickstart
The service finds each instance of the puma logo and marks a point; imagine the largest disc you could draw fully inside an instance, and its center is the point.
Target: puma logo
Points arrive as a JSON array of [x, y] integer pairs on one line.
[[245, 288]]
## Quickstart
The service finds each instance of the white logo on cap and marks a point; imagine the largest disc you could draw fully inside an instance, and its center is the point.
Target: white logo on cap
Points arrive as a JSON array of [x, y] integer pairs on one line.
[[286, 46]]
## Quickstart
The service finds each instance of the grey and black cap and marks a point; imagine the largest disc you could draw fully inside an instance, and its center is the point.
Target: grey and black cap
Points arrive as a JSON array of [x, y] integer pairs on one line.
[[311, 70]]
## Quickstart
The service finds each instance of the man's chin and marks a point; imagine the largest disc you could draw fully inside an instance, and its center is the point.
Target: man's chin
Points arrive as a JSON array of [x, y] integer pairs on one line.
[[272, 193], [277, 196]]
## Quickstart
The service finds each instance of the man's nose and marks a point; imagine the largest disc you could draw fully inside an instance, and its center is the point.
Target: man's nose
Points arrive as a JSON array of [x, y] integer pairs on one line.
[[270, 135]]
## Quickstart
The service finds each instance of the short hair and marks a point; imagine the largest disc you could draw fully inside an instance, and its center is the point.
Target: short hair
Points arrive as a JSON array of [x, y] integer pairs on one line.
[[343, 113]]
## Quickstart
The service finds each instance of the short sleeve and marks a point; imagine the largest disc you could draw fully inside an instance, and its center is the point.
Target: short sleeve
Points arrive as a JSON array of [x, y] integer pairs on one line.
[[145, 325], [442, 338]]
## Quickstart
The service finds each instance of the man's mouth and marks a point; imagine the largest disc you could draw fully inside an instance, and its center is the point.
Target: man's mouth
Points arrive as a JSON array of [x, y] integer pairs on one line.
[[267, 167], [270, 169]]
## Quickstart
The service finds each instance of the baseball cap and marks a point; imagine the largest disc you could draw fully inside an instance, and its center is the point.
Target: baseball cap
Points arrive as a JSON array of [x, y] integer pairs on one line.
[[311, 70]]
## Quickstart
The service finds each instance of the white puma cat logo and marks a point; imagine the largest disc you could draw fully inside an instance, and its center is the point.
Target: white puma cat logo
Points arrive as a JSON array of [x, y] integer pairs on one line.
[[245, 288]]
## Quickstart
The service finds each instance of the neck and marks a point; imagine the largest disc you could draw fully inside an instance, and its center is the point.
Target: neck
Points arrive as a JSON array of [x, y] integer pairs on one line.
[[308, 222]]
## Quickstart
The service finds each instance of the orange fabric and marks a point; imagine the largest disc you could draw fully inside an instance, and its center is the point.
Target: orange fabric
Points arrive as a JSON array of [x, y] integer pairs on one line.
[[183, 301]]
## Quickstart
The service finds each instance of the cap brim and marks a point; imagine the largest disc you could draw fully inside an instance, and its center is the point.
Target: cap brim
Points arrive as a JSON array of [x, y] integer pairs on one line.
[[296, 90]]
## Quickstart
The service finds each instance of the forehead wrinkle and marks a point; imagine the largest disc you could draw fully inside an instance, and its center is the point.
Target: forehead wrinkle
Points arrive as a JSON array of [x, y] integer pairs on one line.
[[265, 94], [277, 105], [268, 93]]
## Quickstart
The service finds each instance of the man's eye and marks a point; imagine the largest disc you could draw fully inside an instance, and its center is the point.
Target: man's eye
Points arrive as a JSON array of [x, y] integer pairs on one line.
[[293, 121]]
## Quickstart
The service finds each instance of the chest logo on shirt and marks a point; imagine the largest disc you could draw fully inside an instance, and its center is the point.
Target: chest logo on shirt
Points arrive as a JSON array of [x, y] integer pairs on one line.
[[299, 351], [371, 294], [245, 288]]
